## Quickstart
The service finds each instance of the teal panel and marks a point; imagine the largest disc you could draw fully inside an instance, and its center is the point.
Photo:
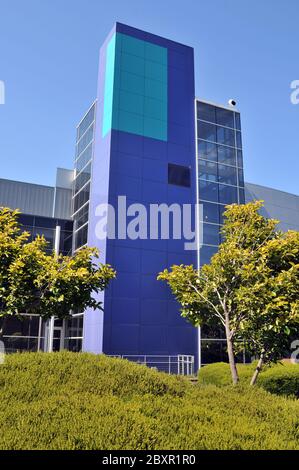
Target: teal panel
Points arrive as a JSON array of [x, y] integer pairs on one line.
[[132, 45], [155, 128], [156, 71], [155, 109], [132, 82], [155, 89], [135, 94], [131, 102], [155, 53], [132, 63], [129, 122]]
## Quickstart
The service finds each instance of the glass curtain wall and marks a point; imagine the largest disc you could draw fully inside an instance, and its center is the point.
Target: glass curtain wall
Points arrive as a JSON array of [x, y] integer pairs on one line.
[[220, 182], [81, 188]]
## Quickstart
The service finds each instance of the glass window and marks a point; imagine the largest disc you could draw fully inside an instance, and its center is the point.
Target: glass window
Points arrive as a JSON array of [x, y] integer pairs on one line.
[[221, 210], [81, 217], [82, 178], [226, 155], [84, 158], [81, 237], [86, 122], [208, 191], [241, 196], [210, 212], [81, 198], [224, 117], [241, 177], [210, 234], [26, 219], [238, 121], [227, 174], [206, 112], [179, 175], [207, 150], [225, 136], [206, 131], [206, 253], [85, 140], [207, 170], [227, 194], [48, 233], [239, 139], [240, 158]]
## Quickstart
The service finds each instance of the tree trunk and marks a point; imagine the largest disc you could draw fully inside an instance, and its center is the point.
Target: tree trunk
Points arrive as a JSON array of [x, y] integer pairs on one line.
[[257, 370], [231, 355]]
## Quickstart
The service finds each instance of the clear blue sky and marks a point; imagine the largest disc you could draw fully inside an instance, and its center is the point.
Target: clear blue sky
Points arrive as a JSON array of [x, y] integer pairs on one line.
[[244, 49]]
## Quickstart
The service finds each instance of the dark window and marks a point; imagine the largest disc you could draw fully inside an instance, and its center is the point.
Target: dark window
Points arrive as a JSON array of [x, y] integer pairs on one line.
[[227, 174], [45, 222], [207, 170], [206, 112], [239, 139], [241, 177], [224, 117], [26, 219], [241, 196], [240, 158], [206, 131], [238, 121], [210, 234], [208, 191], [225, 136], [226, 155], [210, 212], [179, 175], [206, 253], [81, 237], [207, 150], [227, 194]]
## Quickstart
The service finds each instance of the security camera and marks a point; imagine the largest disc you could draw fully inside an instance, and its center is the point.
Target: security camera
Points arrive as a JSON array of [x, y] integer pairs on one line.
[[232, 102]]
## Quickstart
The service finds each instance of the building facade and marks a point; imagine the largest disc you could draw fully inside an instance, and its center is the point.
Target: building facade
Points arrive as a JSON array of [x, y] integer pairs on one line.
[[146, 140]]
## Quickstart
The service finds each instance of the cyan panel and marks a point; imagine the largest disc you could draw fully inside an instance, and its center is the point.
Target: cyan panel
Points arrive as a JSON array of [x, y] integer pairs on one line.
[[135, 95]]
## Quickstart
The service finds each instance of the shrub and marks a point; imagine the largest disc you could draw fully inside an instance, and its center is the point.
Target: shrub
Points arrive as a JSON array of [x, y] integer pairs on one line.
[[281, 378], [82, 401]]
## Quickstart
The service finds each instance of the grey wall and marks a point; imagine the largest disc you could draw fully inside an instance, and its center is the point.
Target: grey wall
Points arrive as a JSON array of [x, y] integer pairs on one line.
[[278, 204], [35, 199]]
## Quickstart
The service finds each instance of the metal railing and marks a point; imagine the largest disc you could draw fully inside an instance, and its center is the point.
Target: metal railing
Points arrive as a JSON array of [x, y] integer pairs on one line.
[[181, 364]]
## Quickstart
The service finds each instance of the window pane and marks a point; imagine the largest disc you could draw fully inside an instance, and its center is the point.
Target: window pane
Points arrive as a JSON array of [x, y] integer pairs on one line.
[[227, 194], [241, 196], [224, 117], [207, 170], [207, 150], [225, 136], [239, 139], [206, 112], [206, 253], [241, 177], [226, 155], [240, 158], [238, 121], [179, 175], [206, 131], [210, 234], [210, 212], [208, 191], [227, 174]]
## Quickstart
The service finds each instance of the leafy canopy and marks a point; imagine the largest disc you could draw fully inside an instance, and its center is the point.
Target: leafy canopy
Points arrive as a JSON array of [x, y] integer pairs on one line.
[[34, 281]]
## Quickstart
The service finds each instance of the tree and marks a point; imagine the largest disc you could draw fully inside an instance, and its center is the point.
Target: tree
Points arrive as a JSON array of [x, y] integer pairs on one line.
[[250, 287], [34, 281]]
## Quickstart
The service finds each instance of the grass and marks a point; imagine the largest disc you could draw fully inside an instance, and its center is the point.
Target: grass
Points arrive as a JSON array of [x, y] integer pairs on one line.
[[83, 401]]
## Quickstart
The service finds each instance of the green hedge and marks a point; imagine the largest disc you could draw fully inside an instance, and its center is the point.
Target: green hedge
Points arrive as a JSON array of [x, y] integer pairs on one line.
[[82, 401], [281, 379]]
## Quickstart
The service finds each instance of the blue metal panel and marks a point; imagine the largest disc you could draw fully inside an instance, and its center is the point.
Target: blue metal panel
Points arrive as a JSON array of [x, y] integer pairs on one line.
[[140, 314]]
